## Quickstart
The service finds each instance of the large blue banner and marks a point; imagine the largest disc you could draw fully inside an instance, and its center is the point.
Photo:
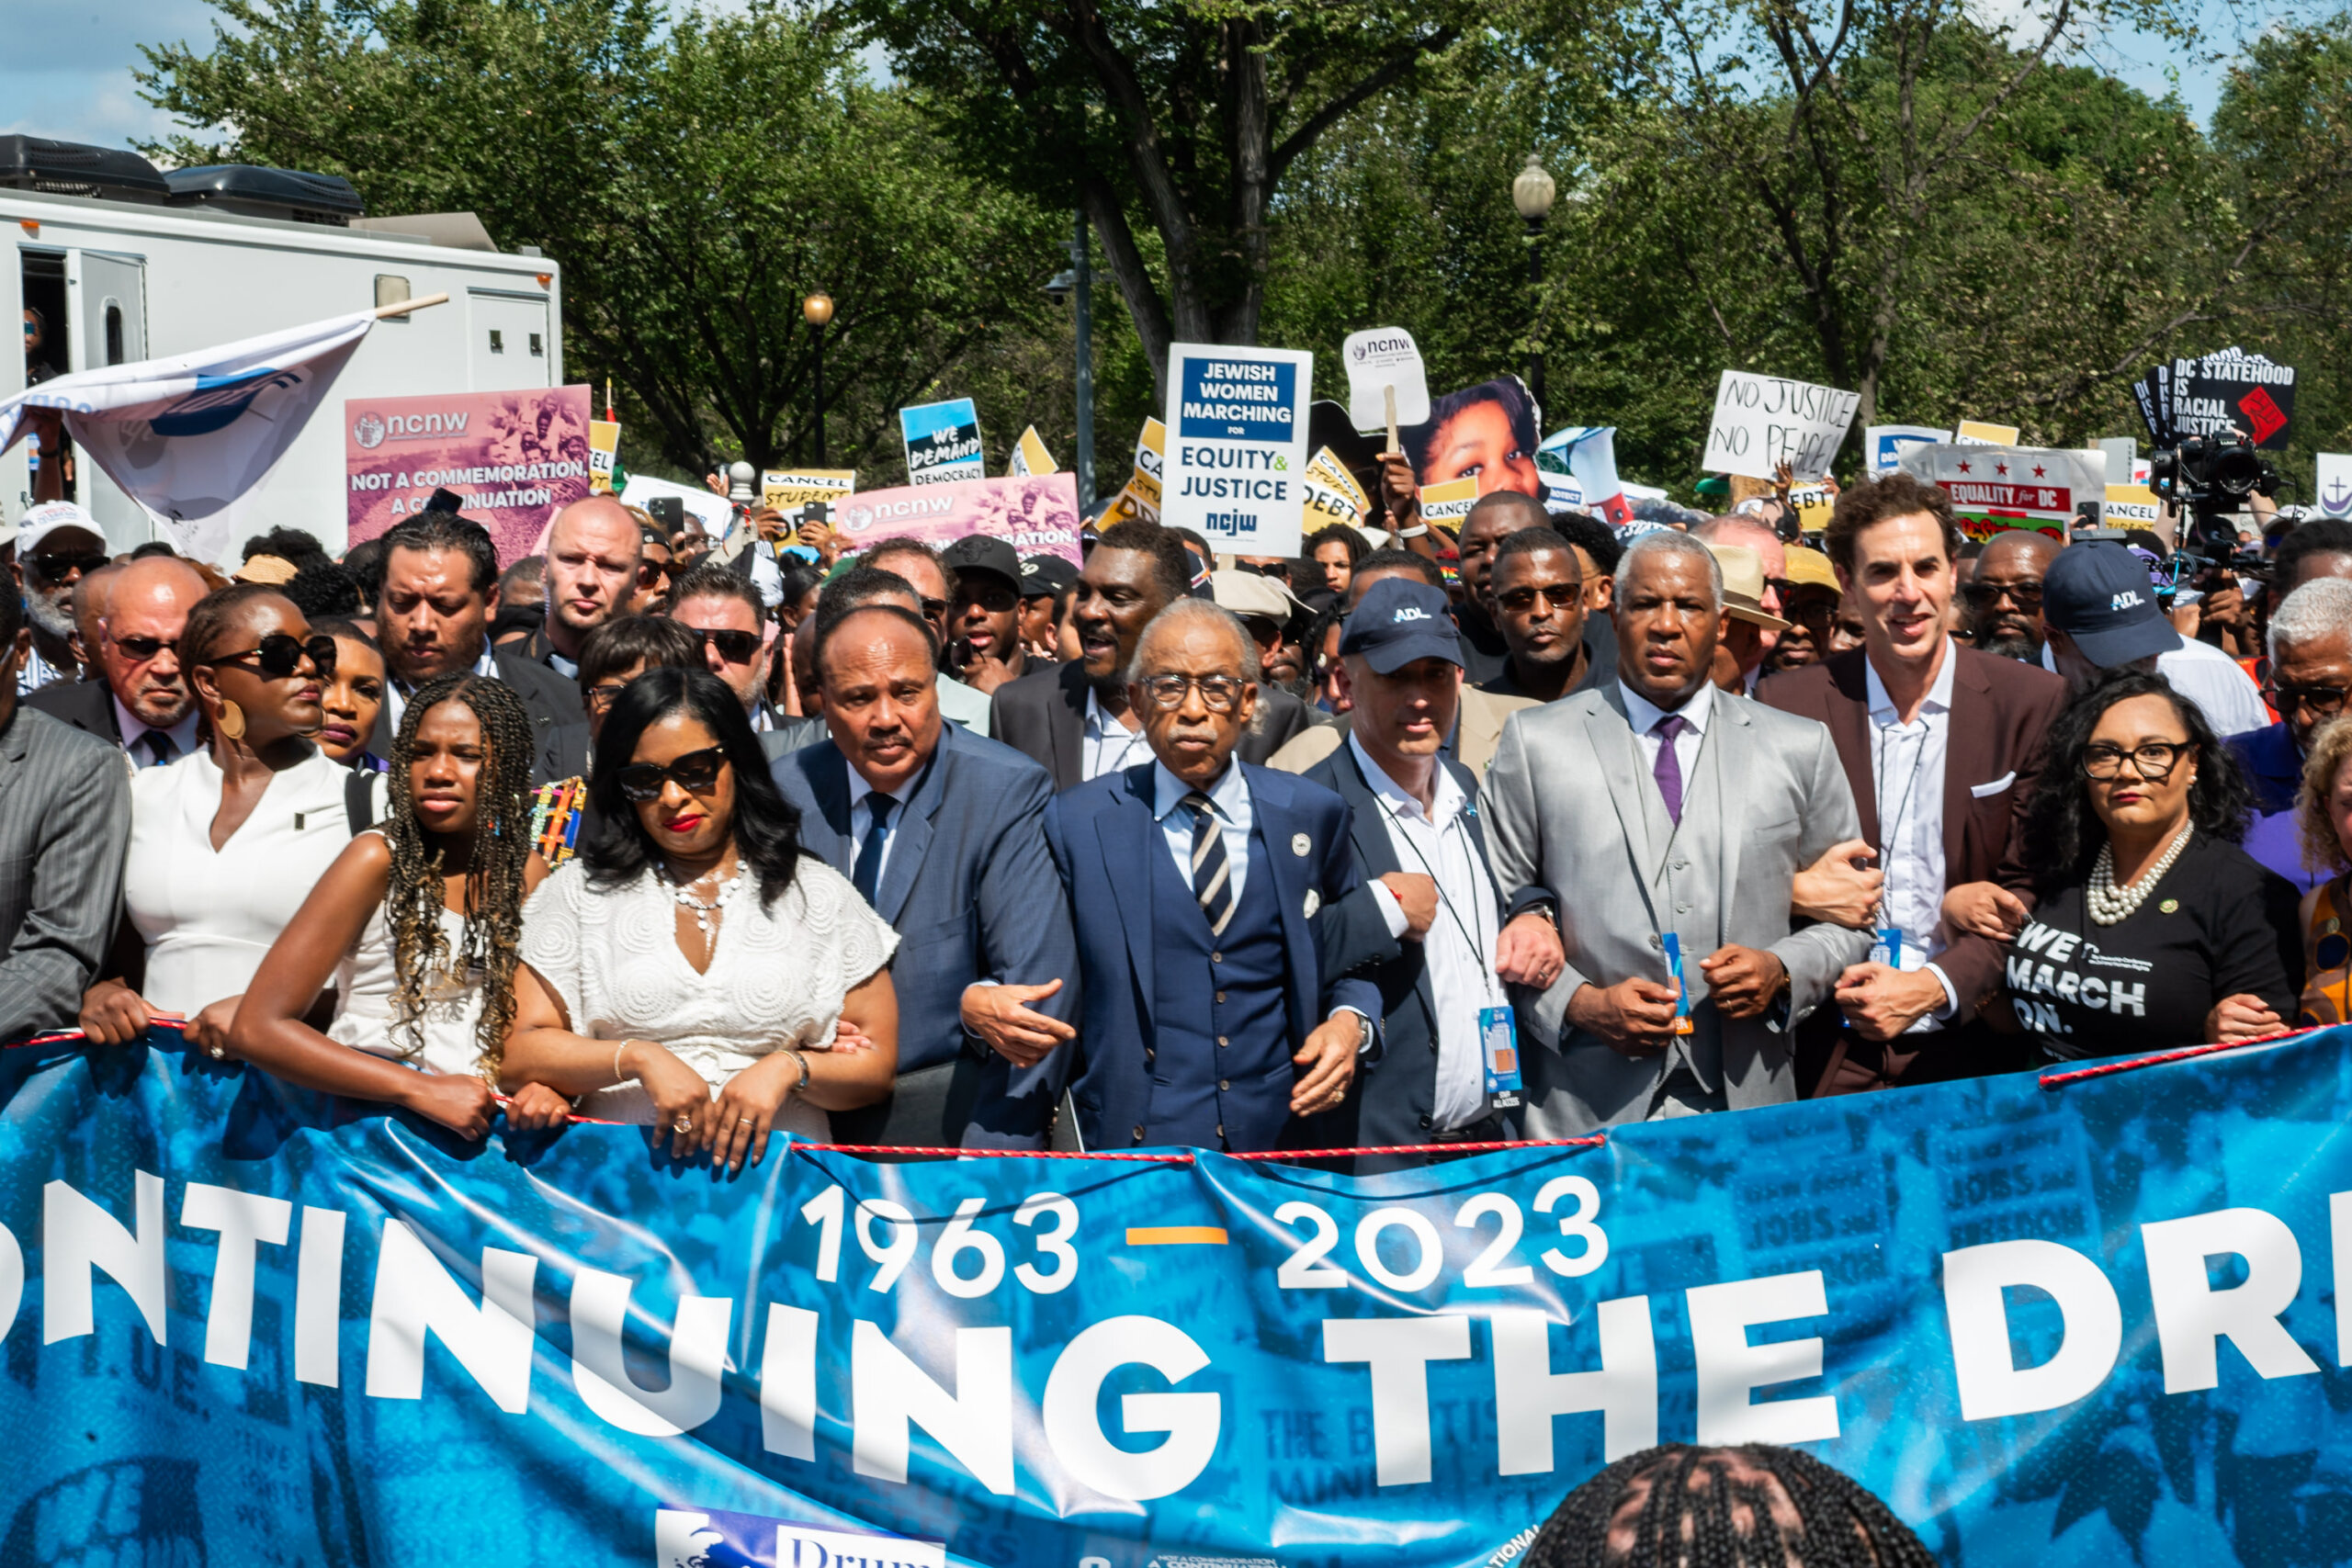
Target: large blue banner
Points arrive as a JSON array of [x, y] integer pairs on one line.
[[2095, 1324]]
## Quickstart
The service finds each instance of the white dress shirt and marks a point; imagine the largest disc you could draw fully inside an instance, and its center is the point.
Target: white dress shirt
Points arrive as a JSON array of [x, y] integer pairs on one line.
[[1644, 714], [1460, 944], [134, 732], [861, 818], [1907, 778], [396, 691], [1110, 746]]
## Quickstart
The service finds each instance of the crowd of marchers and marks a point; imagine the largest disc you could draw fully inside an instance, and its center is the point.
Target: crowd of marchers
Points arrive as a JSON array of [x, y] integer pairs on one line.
[[1522, 832]]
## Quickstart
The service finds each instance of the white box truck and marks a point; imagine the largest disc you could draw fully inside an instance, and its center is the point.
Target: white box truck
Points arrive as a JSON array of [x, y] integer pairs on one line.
[[117, 280]]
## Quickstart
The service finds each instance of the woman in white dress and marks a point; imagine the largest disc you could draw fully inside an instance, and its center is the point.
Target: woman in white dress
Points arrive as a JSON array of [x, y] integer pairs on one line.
[[415, 927], [227, 841], [690, 967]]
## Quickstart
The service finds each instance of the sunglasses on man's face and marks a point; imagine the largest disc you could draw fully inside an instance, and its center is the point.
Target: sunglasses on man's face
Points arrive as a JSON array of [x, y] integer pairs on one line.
[[279, 654], [696, 772], [57, 568], [736, 648]]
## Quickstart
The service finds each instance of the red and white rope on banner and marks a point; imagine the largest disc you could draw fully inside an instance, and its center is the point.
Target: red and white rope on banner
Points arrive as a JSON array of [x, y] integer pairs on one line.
[[2130, 1064]]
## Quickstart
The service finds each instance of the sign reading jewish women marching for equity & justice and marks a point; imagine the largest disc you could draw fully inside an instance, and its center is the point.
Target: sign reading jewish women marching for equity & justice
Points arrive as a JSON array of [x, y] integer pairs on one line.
[[1763, 422], [513, 459], [942, 442], [1236, 420]]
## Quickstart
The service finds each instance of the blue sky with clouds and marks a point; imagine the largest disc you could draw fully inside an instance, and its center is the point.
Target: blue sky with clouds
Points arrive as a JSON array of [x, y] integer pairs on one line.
[[66, 72]]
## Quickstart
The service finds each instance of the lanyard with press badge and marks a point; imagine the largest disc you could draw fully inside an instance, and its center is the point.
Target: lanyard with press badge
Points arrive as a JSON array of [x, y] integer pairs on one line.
[[1498, 1023]]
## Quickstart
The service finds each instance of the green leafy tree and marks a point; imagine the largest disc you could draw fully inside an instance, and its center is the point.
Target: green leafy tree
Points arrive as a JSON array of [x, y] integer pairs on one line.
[[697, 176]]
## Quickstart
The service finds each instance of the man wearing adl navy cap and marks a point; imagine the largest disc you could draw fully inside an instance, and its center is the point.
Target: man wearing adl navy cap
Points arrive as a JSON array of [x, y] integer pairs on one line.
[[2099, 612], [1429, 926]]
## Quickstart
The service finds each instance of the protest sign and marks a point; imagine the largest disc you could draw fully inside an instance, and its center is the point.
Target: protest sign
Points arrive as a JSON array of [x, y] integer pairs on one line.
[[2135, 507], [274, 1328], [1490, 432], [1379, 362], [1976, 433], [1884, 445], [1579, 469], [1030, 456], [1332, 495], [1993, 488], [1761, 422], [2334, 491], [1238, 420], [1326, 469], [1038, 515], [1814, 504], [514, 458], [794, 490], [603, 452], [1449, 503], [2230, 389], [942, 442]]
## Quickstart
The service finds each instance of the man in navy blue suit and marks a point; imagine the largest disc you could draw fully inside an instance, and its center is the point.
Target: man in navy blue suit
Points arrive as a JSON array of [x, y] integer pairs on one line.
[[1195, 881], [941, 830]]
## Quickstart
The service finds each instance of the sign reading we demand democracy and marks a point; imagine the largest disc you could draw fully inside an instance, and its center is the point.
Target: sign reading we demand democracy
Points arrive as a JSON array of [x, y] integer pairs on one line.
[[1236, 430]]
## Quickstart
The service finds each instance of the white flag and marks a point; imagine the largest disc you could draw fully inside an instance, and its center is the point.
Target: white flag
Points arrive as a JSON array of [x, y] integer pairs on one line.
[[189, 437]]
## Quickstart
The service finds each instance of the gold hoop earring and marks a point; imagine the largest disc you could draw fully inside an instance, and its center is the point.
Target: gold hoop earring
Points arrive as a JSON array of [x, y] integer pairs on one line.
[[232, 722]]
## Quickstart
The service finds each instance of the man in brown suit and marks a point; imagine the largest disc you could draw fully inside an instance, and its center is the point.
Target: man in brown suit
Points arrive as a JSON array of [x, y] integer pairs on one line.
[[1940, 744]]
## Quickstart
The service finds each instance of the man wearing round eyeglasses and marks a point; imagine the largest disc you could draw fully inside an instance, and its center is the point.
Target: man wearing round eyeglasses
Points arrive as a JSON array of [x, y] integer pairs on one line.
[[144, 704], [2004, 597], [2310, 672], [1207, 1018]]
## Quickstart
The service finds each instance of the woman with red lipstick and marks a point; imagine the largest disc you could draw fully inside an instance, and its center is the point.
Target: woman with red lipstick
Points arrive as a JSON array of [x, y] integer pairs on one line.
[[415, 927], [690, 969], [351, 696], [2152, 928], [226, 843]]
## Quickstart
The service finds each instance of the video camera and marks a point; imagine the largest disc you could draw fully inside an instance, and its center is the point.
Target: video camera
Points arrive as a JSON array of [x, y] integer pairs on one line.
[[2204, 479]]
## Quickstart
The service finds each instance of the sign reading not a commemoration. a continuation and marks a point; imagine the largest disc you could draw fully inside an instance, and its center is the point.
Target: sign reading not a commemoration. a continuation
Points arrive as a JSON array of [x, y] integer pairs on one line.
[[2083, 1325]]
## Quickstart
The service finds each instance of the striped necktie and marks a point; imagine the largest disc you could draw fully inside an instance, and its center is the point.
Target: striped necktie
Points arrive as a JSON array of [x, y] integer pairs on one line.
[[1212, 873]]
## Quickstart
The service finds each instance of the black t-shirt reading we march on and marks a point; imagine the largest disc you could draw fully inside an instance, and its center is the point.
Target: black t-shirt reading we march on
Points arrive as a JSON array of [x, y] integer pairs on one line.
[[2220, 924]]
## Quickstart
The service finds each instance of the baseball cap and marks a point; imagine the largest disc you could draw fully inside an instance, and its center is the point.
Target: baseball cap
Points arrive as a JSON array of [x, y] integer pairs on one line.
[[984, 552], [1400, 619], [2099, 595], [48, 518], [1045, 574]]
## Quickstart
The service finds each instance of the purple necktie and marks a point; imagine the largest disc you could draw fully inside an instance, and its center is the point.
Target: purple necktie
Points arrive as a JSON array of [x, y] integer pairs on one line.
[[1668, 769]]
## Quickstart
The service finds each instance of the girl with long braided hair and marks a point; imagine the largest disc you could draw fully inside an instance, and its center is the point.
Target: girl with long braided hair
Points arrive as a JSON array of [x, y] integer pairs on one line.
[[416, 925]]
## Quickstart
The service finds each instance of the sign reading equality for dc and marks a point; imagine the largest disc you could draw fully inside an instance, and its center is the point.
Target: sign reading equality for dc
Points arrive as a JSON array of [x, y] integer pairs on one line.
[[2078, 1326], [1237, 445]]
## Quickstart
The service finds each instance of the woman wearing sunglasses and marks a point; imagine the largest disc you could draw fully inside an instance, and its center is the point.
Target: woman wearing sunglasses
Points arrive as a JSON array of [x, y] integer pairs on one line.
[[689, 969], [226, 843], [2152, 928], [413, 930]]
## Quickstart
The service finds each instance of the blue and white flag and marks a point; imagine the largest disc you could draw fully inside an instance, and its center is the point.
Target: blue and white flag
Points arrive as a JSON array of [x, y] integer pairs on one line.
[[191, 436]]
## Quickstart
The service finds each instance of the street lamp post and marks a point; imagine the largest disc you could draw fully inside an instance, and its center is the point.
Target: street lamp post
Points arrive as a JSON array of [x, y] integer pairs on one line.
[[1531, 191], [1076, 283], [818, 309]]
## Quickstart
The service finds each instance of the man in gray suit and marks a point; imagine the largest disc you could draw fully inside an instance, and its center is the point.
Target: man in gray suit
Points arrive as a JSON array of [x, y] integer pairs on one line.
[[942, 832], [1658, 806], [64, 821]]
